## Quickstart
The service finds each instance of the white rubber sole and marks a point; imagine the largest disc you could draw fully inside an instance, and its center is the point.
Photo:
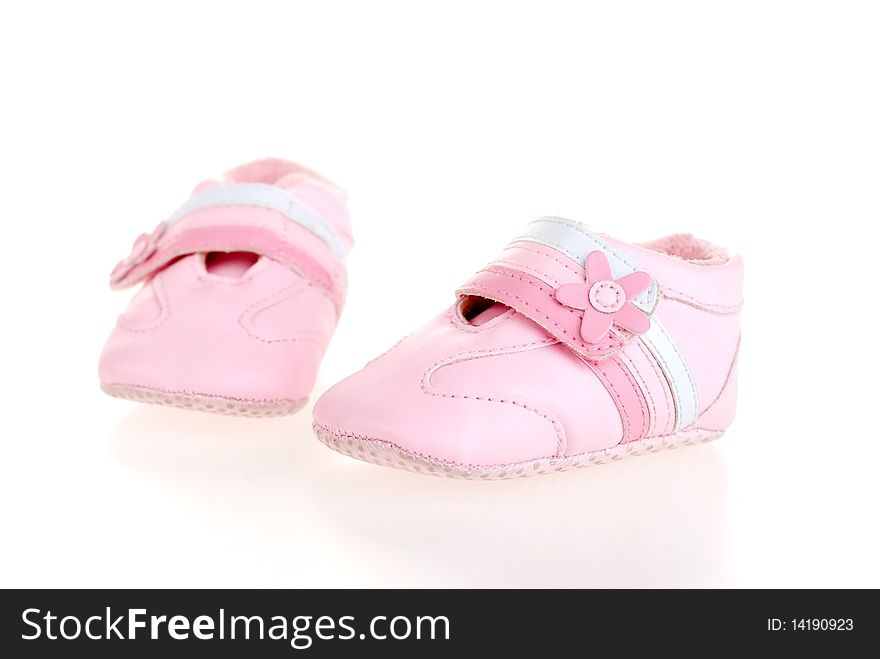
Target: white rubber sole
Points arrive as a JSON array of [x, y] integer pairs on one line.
[[204, 402], [386, 454]]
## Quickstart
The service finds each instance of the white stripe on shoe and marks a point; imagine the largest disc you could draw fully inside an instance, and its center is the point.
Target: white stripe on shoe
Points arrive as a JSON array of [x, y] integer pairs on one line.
[[675, 368], [263, 196]]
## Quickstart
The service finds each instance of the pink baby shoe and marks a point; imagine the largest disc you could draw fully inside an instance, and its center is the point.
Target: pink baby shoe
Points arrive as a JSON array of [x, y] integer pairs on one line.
[[242, 288], [569, 349]]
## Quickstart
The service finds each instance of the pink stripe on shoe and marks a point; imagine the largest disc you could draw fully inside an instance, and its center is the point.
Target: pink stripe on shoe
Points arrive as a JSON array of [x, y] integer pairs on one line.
[[654, 387], [627, 395]]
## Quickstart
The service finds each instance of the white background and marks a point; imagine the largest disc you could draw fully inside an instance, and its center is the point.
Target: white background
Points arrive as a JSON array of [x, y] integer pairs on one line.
[[753, 124]]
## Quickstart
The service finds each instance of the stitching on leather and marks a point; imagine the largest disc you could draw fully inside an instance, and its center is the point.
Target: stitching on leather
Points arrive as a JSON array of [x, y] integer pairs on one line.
[[606, 285], [276, 298], [726, 380], [504, 350], [628, 375], [690, 379], [567, 266], [664, 384], [488, 352], [560, 440], [637, 447], [164, 308], [652, 425], [550, 243], [648, 399], [621, 408], [714, 309], [423, 456], [667, 375], [378, 357], [736, 306], [550, 280], [185, 392]]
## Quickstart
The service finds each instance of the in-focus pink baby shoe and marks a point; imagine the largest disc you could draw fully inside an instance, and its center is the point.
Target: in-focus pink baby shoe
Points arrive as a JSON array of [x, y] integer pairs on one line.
[[569, 349], [242, 288]]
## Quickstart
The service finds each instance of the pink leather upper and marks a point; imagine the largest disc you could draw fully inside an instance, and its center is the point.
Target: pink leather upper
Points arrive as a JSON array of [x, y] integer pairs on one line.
[[519, 381], [255, 336]]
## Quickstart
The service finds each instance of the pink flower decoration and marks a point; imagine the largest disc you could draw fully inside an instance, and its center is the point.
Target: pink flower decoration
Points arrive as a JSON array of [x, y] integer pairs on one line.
[[606, 301], [144, 247]]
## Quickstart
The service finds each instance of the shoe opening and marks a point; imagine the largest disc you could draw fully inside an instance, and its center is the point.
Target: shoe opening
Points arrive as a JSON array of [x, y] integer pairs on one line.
[[232, 265], [476, 310]]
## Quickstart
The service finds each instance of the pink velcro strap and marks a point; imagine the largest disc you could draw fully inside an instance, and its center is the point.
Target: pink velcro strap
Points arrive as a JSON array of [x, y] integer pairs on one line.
[[566, 279], [153, 252], [536, 300]]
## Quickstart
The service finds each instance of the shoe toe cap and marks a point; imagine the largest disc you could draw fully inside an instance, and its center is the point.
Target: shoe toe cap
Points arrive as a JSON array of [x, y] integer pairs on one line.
[[397, 407]]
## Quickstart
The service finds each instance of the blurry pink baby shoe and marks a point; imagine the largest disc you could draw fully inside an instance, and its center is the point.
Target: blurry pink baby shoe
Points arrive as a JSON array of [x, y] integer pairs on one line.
[[242, 289]]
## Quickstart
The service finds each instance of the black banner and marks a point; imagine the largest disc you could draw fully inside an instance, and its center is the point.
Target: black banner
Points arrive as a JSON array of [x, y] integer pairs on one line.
[[290, 623]]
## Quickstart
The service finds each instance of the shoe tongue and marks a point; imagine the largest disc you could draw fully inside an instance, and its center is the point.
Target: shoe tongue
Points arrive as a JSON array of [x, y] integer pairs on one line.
[[488, 314]]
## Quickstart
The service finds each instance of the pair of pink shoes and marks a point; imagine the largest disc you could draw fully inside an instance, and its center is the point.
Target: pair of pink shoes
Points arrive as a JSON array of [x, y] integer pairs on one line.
[[569, 348]]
